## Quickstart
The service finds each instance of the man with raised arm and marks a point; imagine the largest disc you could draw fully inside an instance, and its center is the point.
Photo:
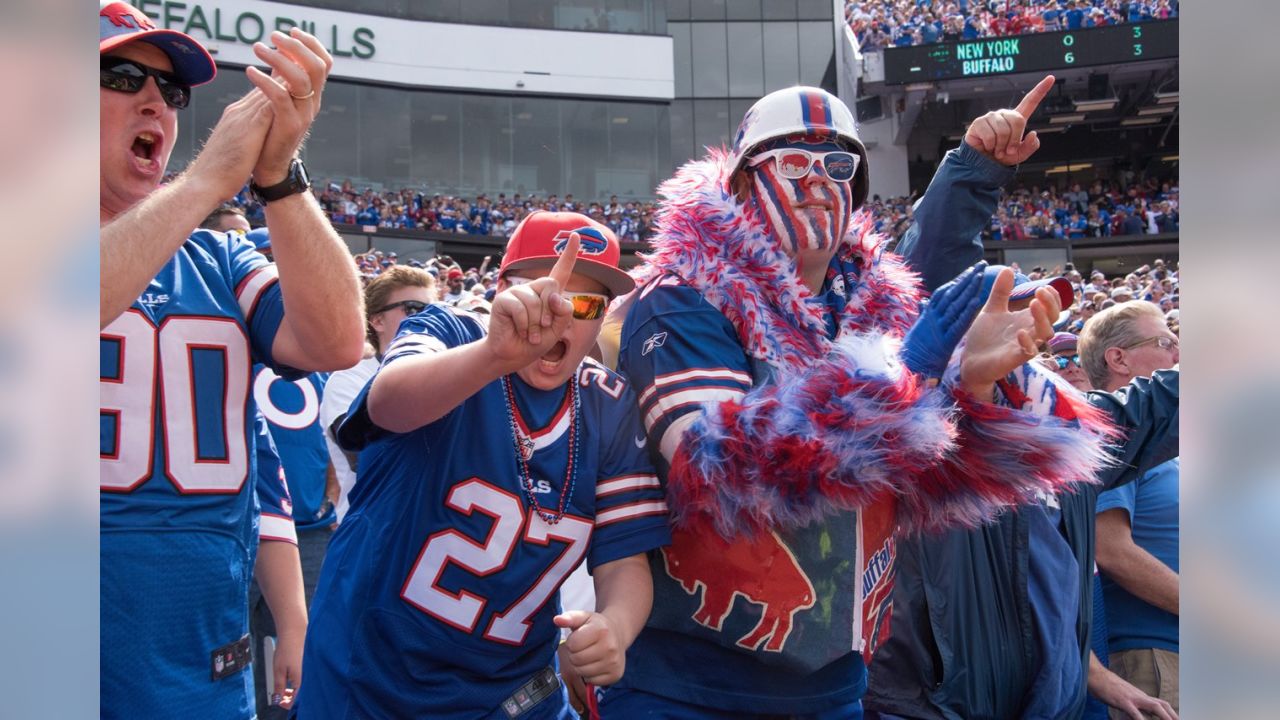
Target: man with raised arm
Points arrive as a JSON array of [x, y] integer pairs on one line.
[[785, 377]]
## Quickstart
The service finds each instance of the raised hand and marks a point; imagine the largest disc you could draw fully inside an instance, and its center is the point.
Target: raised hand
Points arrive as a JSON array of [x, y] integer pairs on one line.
[[998, 134], [596, 653], [299, 67], [233, 146], [999, 340], [527, 320], [944, 321]]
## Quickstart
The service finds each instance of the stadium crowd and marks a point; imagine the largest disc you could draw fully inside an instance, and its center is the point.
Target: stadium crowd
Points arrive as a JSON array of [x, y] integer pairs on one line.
[[1103, 208], [879, 24], [407, 208], [1124, 205]]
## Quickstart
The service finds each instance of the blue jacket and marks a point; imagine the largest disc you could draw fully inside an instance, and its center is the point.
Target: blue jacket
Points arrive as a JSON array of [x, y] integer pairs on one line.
[[971, 636]]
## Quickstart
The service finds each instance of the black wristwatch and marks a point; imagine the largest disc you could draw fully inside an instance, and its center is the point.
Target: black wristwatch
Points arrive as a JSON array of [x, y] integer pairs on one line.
[[296, 182]]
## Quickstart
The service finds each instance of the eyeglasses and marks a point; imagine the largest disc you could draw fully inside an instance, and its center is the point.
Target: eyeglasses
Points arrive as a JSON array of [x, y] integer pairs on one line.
[[128, 76], [411, 307], [1064, 360], [1164, 342], [586, 306], [795, 163]]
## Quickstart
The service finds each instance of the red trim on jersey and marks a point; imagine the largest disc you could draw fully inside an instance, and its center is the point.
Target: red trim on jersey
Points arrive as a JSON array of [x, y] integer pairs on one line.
[[546, 429]]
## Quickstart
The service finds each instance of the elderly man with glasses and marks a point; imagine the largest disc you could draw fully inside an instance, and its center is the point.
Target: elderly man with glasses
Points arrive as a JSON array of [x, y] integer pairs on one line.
[[1137, 524]]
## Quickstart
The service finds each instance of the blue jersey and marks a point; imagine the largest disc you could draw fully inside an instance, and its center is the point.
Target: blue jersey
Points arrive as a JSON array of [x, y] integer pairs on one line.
[[177, 465], [439, 587], [292, 410]]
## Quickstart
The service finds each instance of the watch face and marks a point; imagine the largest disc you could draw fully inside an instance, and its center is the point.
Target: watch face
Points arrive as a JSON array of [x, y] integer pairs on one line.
[[299, 171]]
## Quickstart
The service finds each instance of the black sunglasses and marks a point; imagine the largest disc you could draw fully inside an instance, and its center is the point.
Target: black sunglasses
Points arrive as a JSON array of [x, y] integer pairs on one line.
[[411, 307], [1064, 360], [128, 76]]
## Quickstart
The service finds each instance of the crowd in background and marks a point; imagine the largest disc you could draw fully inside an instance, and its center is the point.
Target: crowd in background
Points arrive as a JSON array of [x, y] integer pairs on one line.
[[1102, 208], [343, 203], [879, 24]]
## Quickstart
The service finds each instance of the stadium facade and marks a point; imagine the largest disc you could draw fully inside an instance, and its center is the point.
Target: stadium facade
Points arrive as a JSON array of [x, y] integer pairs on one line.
[[531, 96]]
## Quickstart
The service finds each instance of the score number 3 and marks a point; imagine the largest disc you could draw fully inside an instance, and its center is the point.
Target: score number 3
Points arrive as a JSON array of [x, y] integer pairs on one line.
[[462, 610]]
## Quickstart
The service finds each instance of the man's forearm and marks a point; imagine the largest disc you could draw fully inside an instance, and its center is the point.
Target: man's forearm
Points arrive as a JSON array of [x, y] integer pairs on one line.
[[135, 245], [1132, 568], [279, 575], [943, 238], [324, 323]]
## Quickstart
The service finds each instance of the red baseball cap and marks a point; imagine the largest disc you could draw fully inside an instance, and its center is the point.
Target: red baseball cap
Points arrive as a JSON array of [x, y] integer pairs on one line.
[[540, 238], [120, 23]]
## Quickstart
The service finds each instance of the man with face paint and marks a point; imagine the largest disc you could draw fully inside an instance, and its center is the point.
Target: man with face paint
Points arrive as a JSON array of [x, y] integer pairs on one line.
[[795, 436]]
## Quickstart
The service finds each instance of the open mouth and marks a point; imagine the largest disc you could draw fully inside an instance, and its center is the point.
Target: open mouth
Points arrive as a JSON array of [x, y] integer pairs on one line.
[[556, 353], [145, 148]]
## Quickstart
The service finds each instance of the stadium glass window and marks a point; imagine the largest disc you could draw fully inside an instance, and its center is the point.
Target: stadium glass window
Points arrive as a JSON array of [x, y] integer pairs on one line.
[[436, 131], [746, 59], [707, 10], [681, 36], [816, 46], [677, 10], [813, 10], [781, 56], [744, 10], [781, 10], [682, 147], [711, 124], [710, 60], [537, 148], [384, 114]]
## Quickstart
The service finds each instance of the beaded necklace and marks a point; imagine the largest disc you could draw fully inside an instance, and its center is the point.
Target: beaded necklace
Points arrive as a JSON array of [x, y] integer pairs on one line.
[[524, 451]]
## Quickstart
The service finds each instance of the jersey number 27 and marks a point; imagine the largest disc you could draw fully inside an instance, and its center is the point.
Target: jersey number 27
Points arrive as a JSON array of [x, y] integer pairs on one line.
[[463, 610]]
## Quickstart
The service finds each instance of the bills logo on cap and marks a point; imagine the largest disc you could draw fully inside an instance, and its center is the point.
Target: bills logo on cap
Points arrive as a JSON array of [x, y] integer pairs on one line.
[[590, 239]]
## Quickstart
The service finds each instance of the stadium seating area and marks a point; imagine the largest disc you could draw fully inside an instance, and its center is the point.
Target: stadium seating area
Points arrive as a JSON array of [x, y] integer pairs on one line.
[[880, 24], [1100, 209]]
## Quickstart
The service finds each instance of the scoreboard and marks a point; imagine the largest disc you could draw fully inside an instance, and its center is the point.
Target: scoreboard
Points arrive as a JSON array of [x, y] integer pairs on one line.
[[1107, 45]]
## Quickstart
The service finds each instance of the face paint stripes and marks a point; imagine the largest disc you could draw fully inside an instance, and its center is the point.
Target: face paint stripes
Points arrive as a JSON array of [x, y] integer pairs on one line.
[[796, 228]]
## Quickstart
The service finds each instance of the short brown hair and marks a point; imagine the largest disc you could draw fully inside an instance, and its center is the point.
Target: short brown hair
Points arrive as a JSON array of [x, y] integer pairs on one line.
[[1113, 327], [381, 287], [214, 220]]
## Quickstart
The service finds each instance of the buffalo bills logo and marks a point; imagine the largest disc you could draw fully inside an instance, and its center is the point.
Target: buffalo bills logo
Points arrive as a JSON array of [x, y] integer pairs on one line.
[[592, 241]]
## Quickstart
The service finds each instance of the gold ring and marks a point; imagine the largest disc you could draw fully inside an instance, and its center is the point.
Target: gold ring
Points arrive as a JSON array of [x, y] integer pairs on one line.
[[303, 97]]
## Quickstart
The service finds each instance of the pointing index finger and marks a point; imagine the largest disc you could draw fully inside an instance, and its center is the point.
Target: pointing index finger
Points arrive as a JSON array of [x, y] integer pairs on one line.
[[1028, 106], [564, 266]]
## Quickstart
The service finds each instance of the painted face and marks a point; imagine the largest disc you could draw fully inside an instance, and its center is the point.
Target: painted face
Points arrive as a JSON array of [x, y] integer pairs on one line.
[[809, 214]]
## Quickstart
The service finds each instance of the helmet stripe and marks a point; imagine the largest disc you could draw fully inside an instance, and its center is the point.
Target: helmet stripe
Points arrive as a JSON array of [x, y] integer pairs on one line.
[[816, 111]]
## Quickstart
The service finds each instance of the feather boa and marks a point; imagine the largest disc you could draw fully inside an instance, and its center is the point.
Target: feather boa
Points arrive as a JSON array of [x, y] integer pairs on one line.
[[840, 438], [1041, 436], [842, 423]]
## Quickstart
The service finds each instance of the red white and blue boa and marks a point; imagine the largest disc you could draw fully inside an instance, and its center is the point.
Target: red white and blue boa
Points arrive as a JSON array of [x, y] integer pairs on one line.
[[843, 424]]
